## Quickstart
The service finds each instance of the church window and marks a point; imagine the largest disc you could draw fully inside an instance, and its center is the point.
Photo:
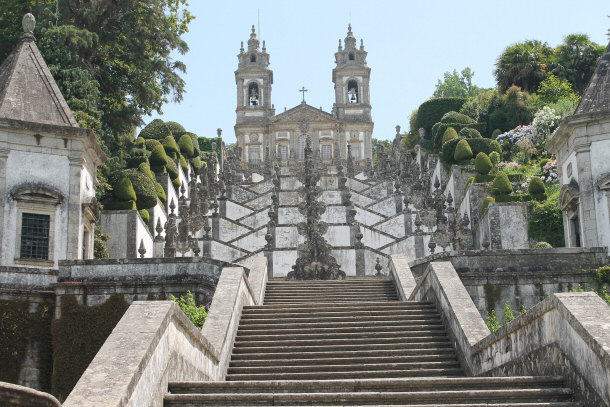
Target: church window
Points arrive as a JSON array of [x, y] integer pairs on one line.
[[254, 155], [282, 152], [35, 236], [326, 151], [351, 56], [352, 92], [253, 95], [356, 152], [301, 147], [252, 58]]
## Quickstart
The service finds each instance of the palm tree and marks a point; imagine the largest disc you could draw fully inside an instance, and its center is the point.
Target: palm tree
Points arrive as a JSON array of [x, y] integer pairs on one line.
[[523, 64]]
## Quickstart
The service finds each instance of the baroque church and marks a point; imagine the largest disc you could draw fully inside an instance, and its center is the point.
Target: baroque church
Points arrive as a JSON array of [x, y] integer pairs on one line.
[[349, 126]]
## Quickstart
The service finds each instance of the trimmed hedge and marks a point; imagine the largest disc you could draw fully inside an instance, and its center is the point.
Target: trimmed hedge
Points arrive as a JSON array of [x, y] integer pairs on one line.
[[195, 140], [438, 130], [462, 151], [501, 185], [431, 112], [161, 193], [468, 132], [480, 178], [205, 143], [176, 183], [486, 202], [145, 169], [484, 145], [158, 158], [184, 165], [495, 157], [455, 117], [124, 190], [120, 205], [516, 177], [144, 187], [495, 134], [171, 147], [137, 156], [176, 128], [536, 186], [145, 215], [172, 169], [186, 146], [449, 134], [156, 130], [196, 164], [482, 164]]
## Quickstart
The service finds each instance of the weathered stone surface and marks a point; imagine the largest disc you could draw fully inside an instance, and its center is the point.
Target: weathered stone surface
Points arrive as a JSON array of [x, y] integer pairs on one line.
[[20, 396]]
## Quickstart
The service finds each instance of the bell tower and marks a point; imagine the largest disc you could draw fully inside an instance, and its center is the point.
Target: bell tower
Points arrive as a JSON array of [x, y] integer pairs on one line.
[[351, 78]]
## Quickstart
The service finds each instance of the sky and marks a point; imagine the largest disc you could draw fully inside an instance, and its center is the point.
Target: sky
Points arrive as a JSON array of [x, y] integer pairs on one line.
[[410, 45]]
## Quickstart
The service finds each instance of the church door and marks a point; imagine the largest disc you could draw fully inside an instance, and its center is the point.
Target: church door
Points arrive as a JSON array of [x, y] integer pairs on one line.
[[301, 147]]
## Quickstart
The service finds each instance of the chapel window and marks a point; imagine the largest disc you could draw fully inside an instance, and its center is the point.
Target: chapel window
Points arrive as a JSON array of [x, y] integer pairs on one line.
[[252, 58], [355, 151], [35, 236], [351, 56], [254, 155], [352, 92], [253, 95], [326, 151], [282, 152], [575, 229]]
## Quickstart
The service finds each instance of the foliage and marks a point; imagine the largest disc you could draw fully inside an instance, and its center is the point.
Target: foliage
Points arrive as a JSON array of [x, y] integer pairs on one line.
[[527, 150], [170, 146], [176, 128], [468, 132], [543, 245], [161, 193], [158, 157], [120, 205], [205, 143], [501, 184], [509, 139], [509, 315], [196, 314], [523, 64], [480, 106], [601, 275], [575, 60], [155, 130], [486, 202], [100, 251], [545, 222], [145, 215], [544, 124], [184, 165], [516, 104], [492, 321], [495, 157], [462, 151], [449, 134], [432, 110], [172, 169], [603, 293], [482, 164], [410, 139], [495, 133], [186, 146], [499, 120], [536, 186], [553, 89], [123, 190], [85, 328], [455, 117], [145, 189], [456, 85], [196, 164], [145, 169], [413, 122]]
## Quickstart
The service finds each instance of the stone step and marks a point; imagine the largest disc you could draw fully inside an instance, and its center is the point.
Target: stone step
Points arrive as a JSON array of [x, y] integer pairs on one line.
[[321, 326], [342, 354], [332, 305], [247, 320], [348, 280], [247, 348], [361, 374], [336, 333], [331, 289], [349, 360], [248, 315], [397, 384], [346, 297], [340, 338]]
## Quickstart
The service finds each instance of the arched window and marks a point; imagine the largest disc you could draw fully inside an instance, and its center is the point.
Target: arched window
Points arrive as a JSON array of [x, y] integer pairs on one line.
[[253, 95], [252, 58], [301, 147], [351, 56], [352, 92]]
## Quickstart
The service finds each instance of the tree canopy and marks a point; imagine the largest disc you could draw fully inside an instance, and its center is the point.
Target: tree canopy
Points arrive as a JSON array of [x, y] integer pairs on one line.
[[456, 85], [523, 64], [575, 60]]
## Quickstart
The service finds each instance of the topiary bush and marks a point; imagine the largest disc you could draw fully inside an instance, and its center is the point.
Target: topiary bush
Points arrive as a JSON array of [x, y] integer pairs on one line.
[[536, 186], [455, 117], [499, 120], [158, 158], [462, 151], [450, 134], [486, 202], [468, 132], [176, 183], [123, 190], [542, 245], [438, 130], [482, 164], [196, 164], [172, 169], [431, 112], [156, 130], [161, 193], [145, 189], [205, 143], [501, 184], [484, 145], [495, 133], [137, 156], [184, 165], [186, 146], [145, 169], [545, 222], [448, 151], [195, 140], [171, 147], [495, 158], [120, 206], [176, 128], [145, 215]]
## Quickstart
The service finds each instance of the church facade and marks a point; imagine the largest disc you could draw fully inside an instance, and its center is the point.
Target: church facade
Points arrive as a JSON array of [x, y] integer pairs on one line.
[[260, 132]]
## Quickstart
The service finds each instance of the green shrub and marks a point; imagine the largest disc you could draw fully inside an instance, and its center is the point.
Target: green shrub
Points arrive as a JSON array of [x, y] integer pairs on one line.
[[137, 156], [176, 128], [172, 169], [482, 164], [145, 169], [431, 112], [450, 134], [145, 189], [501, 184], [145, 215], [484, 145], [480, 178], [536, 186], [495, 134], [545, 222], [195, 140], [438, 130], [184, 165], [120, 206], [509, 315], [170, 146], [176, 183], [161, 193], [123, 190], [469, 181], [462, 151], [448, 151], [516, 177], [158, 158], [486, 202], [196, 314], [468, 132], [492, 321], [205, 143], [455, 117], [499, 120], [186, 146], [196, 164], [150, 144], [156, 130], [543, 162], [513, 198], [543, 245], [140, 142], [495, 158], [158, 169]]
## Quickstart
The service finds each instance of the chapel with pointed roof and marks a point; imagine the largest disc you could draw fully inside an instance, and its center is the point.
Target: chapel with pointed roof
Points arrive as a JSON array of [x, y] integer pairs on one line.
[[261, 133]]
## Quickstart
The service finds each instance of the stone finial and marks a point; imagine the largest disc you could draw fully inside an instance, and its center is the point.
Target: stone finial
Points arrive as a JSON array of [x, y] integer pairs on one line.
[[142, 249], [241, 49], [378, 267], [219, 132], [340, 46], [397, 131], [28, 23], [361, 44]]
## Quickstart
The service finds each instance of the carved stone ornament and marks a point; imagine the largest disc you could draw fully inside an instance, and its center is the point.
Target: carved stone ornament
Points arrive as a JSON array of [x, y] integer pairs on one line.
[[253, 138]]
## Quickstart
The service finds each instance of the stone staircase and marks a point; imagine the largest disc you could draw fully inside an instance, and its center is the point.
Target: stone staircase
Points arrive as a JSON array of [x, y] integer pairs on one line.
[[339, 343]]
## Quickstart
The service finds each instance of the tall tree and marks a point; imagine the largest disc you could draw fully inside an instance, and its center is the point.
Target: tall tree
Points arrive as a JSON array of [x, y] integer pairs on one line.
[[523, 64], [575, 60], [456, 85]]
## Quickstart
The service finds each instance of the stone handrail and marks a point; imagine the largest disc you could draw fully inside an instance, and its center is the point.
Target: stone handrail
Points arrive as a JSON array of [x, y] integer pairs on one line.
[[154, 343], [567, 333], [19, 396]]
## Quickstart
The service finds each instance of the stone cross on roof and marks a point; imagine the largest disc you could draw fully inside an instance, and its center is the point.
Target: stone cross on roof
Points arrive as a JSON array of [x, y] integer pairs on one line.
[[303, 90]]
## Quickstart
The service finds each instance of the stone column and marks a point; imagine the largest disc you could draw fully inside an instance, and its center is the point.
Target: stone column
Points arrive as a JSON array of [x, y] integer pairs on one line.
[[587, 215], [3, 233], [73, 241]]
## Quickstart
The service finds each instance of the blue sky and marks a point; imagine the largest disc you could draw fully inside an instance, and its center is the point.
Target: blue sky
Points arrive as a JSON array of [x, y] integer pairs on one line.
[[410, 45]]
